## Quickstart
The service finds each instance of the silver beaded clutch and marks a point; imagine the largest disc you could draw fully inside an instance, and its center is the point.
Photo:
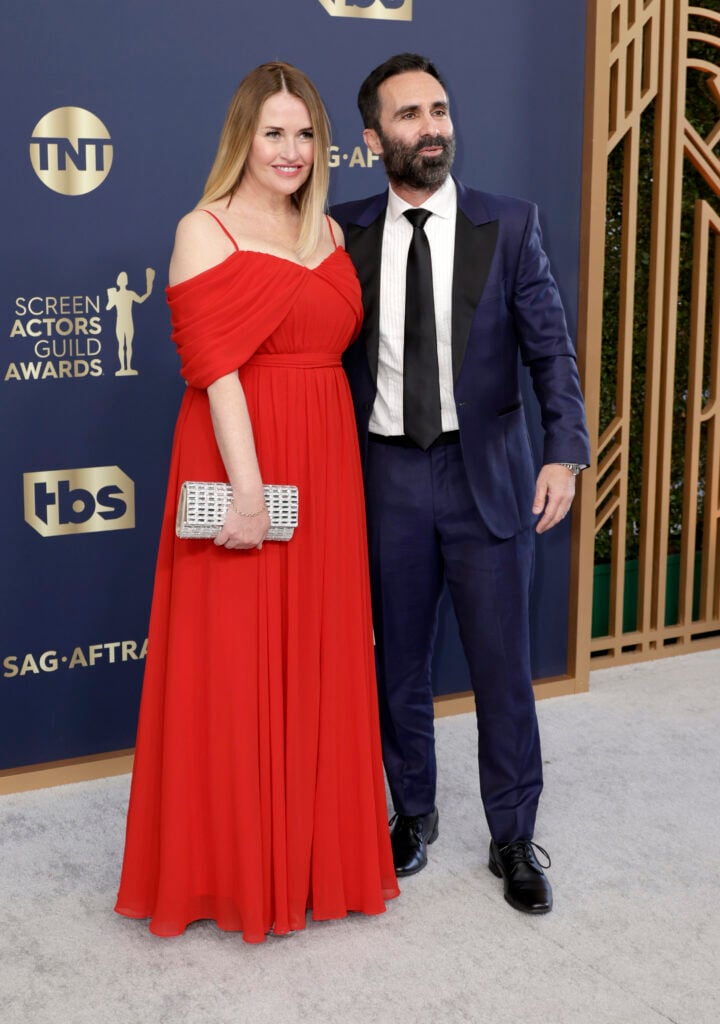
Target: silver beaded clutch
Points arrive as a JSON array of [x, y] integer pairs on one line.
[[202, 508]]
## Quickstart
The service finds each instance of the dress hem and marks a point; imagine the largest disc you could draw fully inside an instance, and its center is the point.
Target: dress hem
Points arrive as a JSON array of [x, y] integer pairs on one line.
[[254, 937]]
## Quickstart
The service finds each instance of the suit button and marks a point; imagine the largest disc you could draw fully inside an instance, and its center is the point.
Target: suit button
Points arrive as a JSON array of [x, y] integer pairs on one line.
[[367, 406]]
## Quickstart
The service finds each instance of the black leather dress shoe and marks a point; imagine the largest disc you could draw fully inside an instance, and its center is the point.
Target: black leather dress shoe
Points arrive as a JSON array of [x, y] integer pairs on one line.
[[526, 887], [410, 837]]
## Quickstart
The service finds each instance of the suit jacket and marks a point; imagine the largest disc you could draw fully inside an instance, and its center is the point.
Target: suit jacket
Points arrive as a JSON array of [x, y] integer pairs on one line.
[[505, 305]]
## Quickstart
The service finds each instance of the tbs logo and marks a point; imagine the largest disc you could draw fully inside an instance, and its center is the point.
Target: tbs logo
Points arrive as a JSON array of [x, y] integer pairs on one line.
[[385, 10], [62, 501]]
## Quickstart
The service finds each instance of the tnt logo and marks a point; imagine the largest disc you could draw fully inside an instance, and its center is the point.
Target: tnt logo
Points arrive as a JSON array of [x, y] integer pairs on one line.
[[387, 10], [62, 501], [71, 151]]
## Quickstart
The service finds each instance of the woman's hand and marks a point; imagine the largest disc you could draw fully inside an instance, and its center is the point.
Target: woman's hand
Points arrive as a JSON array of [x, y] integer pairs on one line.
[[246, 526]]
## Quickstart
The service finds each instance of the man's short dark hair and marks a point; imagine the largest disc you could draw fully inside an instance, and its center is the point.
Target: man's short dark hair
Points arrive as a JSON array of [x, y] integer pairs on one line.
[[368, 100]]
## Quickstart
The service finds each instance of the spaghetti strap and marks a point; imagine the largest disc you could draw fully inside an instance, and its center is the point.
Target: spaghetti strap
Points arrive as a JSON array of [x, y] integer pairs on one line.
[[332, 233], [237, 247]]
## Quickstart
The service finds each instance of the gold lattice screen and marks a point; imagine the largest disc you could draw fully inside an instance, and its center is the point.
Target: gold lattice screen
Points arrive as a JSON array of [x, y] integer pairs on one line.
[[646, 554]]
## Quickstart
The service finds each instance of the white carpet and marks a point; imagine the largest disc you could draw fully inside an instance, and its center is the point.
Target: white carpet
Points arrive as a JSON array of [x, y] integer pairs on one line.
[[629, 814]]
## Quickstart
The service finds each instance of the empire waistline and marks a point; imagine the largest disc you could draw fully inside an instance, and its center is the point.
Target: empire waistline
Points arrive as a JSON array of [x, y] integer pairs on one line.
[[299, 361]]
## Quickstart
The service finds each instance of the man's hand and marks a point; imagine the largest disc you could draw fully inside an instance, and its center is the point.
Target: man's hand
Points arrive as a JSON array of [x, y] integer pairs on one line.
[[554, 493]]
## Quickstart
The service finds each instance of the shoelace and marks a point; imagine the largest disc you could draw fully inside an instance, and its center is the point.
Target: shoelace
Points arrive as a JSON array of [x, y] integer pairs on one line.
[[522, 849], [412, 822]]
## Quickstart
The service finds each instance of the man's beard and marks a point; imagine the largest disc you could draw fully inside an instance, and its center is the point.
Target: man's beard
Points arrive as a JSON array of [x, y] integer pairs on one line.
[[405, 166]]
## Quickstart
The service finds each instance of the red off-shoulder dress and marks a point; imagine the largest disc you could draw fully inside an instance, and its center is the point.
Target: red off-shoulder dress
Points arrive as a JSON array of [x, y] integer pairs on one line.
[[257, 791]]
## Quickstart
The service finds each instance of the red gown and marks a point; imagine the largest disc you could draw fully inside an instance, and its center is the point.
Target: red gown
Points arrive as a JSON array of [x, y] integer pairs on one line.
[[257, 790]]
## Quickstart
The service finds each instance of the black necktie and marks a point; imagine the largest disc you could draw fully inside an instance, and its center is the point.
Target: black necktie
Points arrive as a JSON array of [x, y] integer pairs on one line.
[[421, 382]]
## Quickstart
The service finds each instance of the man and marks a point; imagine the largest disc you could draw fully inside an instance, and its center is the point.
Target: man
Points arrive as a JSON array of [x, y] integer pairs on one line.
[[453, 295]]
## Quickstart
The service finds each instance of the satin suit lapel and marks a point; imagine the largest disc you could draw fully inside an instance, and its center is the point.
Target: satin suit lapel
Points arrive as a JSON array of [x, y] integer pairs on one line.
[[364, 244], [475, 241], [474, 249]]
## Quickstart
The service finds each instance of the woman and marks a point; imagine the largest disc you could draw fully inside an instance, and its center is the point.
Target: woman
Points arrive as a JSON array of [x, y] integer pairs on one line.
[[257, 791]]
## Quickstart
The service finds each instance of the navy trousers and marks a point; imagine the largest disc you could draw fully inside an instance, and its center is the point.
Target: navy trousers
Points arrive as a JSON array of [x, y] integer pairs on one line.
[[424, 530]]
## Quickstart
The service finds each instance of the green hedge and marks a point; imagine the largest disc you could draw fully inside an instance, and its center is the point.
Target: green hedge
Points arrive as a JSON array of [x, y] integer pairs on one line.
[[702, 112]]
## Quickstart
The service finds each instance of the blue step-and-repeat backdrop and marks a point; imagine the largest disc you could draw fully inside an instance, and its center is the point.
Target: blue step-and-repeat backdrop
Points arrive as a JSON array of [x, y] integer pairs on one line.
[[111, 118]]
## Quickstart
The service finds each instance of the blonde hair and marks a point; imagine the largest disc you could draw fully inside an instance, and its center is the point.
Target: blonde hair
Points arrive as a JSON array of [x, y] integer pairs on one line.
[[237, 135]]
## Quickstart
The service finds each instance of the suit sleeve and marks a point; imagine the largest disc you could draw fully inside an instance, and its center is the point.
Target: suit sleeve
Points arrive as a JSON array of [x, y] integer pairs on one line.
[[547, 350]]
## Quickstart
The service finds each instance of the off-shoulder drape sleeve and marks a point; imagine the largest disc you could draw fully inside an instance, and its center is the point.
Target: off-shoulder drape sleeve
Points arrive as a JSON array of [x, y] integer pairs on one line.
[[222, 316]]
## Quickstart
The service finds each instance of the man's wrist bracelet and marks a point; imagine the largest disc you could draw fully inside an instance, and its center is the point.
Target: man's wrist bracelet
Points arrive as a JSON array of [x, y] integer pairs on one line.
[[246, 515], [574, 467]]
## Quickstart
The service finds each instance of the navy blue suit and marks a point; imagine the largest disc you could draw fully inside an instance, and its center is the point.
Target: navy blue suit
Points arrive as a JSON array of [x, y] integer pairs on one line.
[[462, 513]]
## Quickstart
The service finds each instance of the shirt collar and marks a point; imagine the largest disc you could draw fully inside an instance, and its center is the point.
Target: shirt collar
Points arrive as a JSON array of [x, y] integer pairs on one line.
[[442, 203]]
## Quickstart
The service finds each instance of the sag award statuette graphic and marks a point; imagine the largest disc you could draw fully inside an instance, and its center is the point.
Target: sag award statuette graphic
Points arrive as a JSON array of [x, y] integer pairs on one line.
[[121, 299]]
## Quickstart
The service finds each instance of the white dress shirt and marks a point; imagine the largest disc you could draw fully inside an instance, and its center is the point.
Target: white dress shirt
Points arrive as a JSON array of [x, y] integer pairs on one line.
[[387, 413]]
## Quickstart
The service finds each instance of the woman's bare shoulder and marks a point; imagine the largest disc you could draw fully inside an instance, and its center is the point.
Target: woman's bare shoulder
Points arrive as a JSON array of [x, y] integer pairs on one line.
[[337, 232], [200, 244]]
